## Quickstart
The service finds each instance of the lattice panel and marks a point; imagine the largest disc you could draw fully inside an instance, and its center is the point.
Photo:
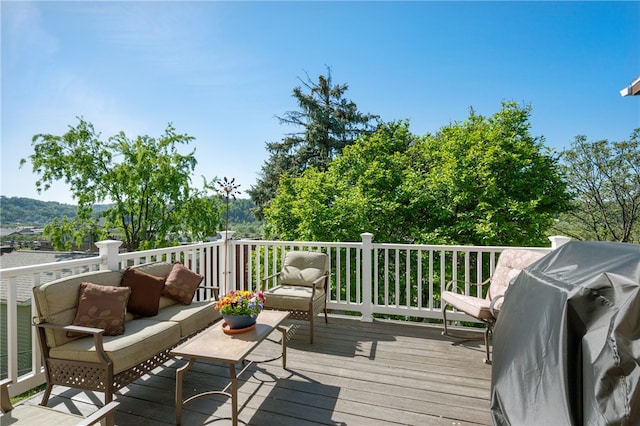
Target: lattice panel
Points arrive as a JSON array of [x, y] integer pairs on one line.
[[296, 315], [124, 378], [78, 375], [94, 376]]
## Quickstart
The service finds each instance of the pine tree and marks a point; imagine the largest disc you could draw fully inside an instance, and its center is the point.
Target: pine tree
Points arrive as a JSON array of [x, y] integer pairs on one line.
[[327, 121]]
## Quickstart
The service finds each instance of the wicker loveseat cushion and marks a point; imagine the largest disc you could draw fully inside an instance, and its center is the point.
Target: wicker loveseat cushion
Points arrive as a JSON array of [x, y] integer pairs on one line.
[[144, 338], [191, 318]]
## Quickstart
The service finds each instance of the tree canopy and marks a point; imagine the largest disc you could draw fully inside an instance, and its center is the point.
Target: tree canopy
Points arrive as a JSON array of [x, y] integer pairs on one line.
[[146, 179], [604, 178], [484, 181], [328, 123]]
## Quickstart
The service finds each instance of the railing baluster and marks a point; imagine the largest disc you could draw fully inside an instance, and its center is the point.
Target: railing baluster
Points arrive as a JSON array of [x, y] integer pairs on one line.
[[339, 276], [258, 259], [359, 293], [431, 279], [348, 281], [376, 278], [12, 328], [407, 278]]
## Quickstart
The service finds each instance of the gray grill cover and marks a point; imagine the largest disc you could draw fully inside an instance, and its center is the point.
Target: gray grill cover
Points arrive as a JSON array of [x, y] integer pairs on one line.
[[567, 343]]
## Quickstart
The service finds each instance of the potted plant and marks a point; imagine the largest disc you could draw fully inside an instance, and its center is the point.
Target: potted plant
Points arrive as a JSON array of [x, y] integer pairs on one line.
[[240, 308]]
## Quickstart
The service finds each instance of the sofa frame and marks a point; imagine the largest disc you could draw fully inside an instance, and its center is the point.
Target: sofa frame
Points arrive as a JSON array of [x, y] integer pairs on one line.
[[99, 376]]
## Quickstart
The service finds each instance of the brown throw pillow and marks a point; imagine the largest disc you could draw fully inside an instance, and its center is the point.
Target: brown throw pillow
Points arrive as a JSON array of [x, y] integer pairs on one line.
[[146, 290], [181, 284], [101, 306]]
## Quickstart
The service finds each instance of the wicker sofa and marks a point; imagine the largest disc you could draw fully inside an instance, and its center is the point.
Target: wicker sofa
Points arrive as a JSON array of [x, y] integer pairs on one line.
[[93, 361]]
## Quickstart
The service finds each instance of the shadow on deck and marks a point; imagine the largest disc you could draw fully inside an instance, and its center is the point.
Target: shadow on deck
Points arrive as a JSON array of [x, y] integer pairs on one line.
[[379, 373]]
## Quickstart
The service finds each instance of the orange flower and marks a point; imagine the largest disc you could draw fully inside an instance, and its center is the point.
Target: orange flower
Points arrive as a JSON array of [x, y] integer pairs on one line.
[[241, 302]]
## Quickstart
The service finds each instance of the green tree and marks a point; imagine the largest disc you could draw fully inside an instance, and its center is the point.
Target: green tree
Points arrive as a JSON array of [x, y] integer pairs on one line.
[[146, 179], [361, 191], [493, 182], [605, 180], [484, 181], [327, 121], [65, 232]]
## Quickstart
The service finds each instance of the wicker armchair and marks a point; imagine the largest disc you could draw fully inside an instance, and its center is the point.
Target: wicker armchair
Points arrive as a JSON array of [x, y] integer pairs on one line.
[[301, 287]]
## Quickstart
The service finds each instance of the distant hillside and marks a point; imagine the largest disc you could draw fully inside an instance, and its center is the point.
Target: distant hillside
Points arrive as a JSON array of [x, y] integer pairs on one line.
[[27, 211], [18, 211]]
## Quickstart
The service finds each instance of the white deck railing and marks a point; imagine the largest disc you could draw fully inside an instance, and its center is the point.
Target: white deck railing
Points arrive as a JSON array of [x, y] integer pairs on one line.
[[367, 279]]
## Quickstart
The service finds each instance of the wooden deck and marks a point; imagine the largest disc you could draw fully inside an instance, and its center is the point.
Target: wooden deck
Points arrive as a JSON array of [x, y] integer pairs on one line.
[[380, 373]]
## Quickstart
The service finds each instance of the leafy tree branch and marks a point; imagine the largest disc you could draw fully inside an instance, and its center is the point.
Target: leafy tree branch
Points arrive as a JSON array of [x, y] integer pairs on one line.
[[147, 179]]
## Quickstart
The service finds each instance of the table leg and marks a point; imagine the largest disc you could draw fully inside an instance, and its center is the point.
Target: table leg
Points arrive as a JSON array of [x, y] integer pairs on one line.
[[179, 373], [234, 394], [284, 346]]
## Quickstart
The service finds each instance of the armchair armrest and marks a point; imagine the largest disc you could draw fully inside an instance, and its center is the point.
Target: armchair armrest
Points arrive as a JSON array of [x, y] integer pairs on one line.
[[495, 305], [76, 328], [265, 279], [5, 401], [320, 280], [96, 332], [453, 284], [271, 276], [100, 414], [214, 290]]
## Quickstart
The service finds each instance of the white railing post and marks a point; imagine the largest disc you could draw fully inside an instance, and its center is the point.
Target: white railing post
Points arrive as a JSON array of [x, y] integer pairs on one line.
[[367, 247], [226, 267], [111, 250], [558, 240]]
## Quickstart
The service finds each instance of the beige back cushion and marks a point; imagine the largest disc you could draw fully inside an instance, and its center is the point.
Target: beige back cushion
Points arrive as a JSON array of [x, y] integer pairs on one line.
[[303, 267], [158, 269], [57, 300], [510, 263]]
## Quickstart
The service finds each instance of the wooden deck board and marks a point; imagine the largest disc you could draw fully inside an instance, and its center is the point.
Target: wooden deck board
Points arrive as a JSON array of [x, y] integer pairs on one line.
[[380, 373]]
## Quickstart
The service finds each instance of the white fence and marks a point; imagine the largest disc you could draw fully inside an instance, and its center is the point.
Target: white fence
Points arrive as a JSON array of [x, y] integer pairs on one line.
[[367, 279]]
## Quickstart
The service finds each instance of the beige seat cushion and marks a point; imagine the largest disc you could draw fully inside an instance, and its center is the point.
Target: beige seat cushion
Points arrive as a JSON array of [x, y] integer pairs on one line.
[[510, 263], [143, 339], [474, 306], [288, 297], [191, 318]]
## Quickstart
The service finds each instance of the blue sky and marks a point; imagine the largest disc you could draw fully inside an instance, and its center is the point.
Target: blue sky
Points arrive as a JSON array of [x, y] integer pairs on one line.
[[223, 71]]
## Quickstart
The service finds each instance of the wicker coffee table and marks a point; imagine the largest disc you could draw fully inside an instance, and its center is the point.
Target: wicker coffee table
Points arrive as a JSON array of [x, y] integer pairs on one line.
[[214, 344]]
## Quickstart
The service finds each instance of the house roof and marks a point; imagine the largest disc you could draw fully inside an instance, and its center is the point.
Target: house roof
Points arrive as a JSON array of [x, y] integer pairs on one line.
[[25, 230], [28, 257], [5, 232], [633, 89]]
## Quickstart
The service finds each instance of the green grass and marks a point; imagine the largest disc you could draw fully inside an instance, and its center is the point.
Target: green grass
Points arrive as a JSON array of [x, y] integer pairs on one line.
[[27, 394]]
